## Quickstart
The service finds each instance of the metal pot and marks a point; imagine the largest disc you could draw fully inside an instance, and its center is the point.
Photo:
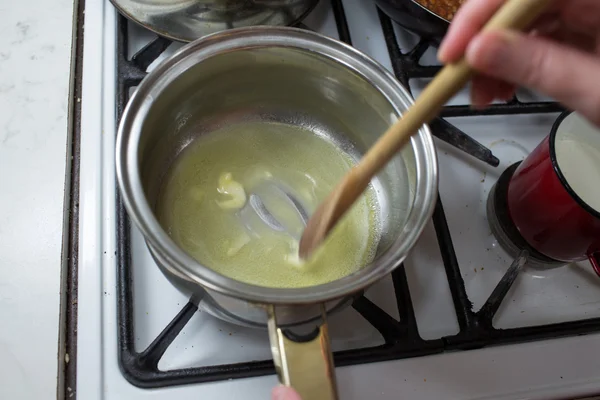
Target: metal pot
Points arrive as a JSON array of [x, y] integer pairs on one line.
[[291, 76], [188, 20]]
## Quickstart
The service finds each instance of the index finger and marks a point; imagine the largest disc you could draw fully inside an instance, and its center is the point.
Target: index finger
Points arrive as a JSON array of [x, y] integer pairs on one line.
[[468, 21]]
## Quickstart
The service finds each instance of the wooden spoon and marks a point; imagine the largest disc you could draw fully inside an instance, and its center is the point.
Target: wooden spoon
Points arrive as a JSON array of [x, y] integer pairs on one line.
[[514, 14]]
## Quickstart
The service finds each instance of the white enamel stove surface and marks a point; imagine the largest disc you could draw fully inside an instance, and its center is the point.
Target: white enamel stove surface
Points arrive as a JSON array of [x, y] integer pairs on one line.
[[553, 369]]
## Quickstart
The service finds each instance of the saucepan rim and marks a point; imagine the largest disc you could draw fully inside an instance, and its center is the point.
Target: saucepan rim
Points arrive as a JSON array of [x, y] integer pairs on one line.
[[140, 211], [556, 166]]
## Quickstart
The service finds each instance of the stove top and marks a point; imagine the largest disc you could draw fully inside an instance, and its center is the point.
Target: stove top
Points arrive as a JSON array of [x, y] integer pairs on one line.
[[457, 292]]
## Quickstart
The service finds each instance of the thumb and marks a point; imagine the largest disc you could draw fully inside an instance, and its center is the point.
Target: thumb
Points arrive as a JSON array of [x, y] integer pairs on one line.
[[565, 74], [284, 393]]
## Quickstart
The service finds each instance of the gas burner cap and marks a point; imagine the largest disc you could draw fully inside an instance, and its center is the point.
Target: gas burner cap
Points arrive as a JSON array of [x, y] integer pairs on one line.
[[503, 228]]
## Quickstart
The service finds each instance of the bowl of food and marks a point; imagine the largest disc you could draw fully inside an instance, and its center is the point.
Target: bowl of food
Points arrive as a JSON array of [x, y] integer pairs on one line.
[[428, 18], [213, 124]]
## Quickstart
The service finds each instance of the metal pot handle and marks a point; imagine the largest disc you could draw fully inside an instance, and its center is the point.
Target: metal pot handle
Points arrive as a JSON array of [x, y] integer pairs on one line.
[[304, 363]]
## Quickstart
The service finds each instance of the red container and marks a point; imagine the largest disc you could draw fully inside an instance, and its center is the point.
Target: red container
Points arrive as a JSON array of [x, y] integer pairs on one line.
[[548, 213]]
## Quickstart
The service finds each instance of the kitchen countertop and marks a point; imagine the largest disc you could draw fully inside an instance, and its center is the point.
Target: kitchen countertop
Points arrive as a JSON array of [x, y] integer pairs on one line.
[[35, 63]]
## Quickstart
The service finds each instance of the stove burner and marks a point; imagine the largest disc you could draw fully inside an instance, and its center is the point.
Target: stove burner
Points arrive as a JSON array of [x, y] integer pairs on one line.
[[503, 228], [401, 336]]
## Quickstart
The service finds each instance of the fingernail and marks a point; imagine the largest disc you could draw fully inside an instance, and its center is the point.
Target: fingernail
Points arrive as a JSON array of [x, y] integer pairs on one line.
[[489, 52], [442, 54]]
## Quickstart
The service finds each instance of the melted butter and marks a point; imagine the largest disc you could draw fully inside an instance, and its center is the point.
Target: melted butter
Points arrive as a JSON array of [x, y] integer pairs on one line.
[[211, 181], [232, 189]]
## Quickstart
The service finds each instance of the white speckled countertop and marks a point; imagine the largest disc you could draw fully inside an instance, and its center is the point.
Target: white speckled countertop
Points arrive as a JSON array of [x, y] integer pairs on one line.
[[35, 61]]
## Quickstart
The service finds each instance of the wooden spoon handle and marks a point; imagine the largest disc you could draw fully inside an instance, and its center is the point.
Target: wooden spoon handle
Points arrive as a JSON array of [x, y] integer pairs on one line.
[[514, 14]]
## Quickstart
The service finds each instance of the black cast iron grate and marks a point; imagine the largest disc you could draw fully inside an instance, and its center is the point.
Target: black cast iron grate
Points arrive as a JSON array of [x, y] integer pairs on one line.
[[401, 337]]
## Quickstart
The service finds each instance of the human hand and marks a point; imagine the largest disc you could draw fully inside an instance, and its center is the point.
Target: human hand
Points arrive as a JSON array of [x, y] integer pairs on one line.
[[284, 393], [559, 57]]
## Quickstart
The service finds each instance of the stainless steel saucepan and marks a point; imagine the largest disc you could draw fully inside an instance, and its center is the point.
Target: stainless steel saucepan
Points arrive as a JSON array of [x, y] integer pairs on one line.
[[188, 20], [289, 76]]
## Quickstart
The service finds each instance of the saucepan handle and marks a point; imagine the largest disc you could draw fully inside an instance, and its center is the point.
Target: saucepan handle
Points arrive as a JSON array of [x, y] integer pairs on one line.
[[595, 260], [304, 363]]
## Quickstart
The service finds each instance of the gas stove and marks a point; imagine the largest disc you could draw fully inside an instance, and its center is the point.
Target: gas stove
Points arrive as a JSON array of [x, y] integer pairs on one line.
[[460, 319]]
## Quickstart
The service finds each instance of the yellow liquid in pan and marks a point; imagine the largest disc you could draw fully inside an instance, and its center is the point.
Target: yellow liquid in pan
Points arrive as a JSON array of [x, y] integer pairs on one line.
[[211, 181]]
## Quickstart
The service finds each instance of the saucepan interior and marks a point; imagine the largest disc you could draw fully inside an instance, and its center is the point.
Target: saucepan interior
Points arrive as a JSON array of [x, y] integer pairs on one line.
[[286, 76]]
